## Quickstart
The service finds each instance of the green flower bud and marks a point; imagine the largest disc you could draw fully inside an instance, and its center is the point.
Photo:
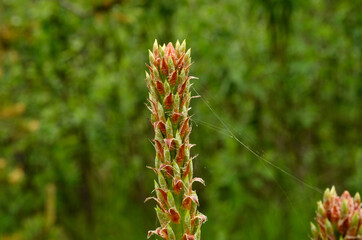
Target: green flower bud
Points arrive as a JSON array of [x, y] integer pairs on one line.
[[333, 191], [158, 135], [153, 119], [187, 223], [355, 220], [183, 46], [198, 234], [156, 184], [177, 46], [187, 154], [157, 162], [357, 198], [170, 233], [169, 131], [191, 170], [158, 194], [193, 209], [148, 78], [186, 184], [153, 93], [151, 57], [344, 208], [167, 87], [170, 199], [171, 66], [321, 210], [188, 57], [161, 51], [176, 103], [161, 112], [314, 230], [326, 194], [155, 46], [329, 228], [176, 170], [162, 217], [189, 97], [162, 181], [184, 111], [155, 72], [182, 76], [167, 154], [178, 140]]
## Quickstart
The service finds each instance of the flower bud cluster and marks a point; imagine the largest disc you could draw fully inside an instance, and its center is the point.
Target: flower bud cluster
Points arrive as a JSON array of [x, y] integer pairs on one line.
[[169, 85], [338, 217]]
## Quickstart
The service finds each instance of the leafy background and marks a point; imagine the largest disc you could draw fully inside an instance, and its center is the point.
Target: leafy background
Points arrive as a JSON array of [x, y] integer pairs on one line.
[[284, 76]]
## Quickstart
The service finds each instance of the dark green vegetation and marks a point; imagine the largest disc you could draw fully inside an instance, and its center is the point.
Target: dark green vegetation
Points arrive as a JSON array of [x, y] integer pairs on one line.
[[284, 75]]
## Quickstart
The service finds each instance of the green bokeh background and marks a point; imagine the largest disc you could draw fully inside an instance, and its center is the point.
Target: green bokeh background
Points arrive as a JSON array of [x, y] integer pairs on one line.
[[284, 76]]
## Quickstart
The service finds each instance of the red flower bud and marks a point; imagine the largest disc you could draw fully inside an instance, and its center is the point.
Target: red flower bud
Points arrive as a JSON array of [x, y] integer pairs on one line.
[[168, 101]]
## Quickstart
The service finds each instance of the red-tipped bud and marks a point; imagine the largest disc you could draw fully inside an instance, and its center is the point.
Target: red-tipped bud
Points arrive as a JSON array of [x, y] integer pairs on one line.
[[168, 101], [184, 127], [174, 215], [180, 154], [173, 78], [160, 87], [177, 185], [164, 67]]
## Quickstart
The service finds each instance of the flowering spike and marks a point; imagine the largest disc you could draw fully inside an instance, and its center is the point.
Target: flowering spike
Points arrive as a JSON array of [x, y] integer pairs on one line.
[[169, 85], [338, 217]]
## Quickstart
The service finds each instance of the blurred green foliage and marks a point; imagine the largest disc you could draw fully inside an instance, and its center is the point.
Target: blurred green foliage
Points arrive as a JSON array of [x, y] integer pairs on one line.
[[285, 76]]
